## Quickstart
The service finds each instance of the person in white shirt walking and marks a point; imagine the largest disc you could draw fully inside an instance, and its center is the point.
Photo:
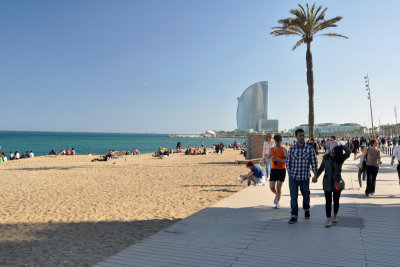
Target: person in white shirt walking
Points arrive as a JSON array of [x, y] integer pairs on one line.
[[396, 154], [268, 144]]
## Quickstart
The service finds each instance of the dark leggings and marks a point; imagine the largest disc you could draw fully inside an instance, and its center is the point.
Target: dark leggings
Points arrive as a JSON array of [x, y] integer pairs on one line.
[[328, 203], [372, 172], [398, 169]]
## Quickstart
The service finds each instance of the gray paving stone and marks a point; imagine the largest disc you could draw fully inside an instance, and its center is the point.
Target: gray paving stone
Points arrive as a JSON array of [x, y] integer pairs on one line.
[[240, 232]]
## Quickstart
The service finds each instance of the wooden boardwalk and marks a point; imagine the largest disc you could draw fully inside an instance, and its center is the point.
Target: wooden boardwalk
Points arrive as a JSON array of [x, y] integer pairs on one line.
[[244, 230]]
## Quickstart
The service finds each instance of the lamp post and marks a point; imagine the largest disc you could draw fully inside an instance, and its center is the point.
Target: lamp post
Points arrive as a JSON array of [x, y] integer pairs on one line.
[[395, 116], [368, 89]]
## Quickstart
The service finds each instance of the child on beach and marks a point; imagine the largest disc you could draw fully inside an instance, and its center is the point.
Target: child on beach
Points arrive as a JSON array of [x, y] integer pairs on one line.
[[256, 175]]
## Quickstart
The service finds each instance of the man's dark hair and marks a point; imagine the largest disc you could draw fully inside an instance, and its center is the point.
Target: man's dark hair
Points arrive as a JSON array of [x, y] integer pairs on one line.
[[250, 164], [298, 131], [278, 137]]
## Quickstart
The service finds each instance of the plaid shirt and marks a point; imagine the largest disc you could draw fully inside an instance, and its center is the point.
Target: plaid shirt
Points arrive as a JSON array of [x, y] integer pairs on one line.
[[298, 162]]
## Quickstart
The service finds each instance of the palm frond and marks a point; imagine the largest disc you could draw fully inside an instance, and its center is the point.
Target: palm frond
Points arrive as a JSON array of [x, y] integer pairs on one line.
[[284, 32], [330, 23], [302, 9], [333, 35], [321, 16], [298, 43]]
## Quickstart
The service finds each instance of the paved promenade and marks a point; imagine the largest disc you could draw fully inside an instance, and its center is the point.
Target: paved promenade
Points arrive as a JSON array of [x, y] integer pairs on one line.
[[245, 230]]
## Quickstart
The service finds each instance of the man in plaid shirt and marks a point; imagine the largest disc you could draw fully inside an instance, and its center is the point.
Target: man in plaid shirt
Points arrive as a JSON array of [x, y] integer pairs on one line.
[[298, 161]]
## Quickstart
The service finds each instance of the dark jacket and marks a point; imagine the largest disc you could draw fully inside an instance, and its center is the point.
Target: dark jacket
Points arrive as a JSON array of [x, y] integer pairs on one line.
[[333, 171]]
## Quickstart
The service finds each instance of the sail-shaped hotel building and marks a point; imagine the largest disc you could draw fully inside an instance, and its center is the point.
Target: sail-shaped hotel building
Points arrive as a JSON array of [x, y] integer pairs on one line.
[[252, 110]]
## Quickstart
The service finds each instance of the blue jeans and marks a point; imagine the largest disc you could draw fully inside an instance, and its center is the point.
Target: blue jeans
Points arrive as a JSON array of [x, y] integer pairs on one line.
[[364, 174], [268, 165], [294, 193]]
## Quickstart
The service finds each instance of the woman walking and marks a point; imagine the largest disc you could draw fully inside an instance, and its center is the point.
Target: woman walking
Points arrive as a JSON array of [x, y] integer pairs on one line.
[[332, 181], [372, 156]]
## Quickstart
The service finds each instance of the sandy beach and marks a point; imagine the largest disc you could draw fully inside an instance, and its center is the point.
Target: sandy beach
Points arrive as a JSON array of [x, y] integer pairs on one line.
[[69, 211]]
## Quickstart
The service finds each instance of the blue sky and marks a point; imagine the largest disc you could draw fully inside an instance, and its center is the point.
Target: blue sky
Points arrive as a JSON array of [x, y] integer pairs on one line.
[[178, 66]]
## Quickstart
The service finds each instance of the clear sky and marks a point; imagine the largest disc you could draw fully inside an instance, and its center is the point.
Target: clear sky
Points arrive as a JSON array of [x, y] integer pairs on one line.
[[177, 66]]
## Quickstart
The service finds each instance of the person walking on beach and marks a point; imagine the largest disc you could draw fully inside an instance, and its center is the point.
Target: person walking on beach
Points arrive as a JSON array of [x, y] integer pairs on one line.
[[221, 147], [372, 156], [332, 165], [298, 161], [267, 145], [278, 169], [396, 154], [256, 175]]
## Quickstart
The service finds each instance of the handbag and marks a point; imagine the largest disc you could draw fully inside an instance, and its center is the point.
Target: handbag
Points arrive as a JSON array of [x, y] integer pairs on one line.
[[339, 186]]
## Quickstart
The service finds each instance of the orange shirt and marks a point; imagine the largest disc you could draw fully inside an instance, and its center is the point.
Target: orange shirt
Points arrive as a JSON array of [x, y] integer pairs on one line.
[[280, 155]]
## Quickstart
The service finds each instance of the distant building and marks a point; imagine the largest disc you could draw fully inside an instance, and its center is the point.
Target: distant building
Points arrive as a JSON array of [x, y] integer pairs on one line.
[[210, 133], [252, 110], [326, 128]]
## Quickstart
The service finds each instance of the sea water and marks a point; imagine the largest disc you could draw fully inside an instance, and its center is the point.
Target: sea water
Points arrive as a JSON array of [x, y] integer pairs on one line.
[[41, 143]]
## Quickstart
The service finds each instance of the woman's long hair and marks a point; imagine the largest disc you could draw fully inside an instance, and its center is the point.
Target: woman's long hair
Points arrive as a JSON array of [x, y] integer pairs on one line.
[[339, 155]]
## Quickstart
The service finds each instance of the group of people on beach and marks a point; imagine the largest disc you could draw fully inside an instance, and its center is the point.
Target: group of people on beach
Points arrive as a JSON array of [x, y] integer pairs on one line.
[[194, 150], [67, 151], [301, 157], [15, 156]]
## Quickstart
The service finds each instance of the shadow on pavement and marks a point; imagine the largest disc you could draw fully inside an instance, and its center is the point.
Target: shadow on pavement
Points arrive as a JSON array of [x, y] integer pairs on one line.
[[70, 244]]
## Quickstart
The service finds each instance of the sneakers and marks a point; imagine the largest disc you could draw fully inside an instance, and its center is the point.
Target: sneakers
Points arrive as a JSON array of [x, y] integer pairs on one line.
[[328, 223], [367, 194], [372, 193], [240, 179], [276, 203], [258, 184], [335, 221], [292, 220], [307, 214]]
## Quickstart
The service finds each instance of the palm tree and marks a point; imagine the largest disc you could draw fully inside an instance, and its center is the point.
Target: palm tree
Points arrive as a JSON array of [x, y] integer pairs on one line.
[[306, 24]]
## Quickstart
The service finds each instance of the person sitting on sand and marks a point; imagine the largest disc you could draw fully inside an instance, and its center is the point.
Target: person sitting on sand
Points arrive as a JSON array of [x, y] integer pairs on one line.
[[11, 156], [31, 155], [102, 158], [68, 152], [73, 152], [256, 175], [3, 156], [17, 155], [187, 151]]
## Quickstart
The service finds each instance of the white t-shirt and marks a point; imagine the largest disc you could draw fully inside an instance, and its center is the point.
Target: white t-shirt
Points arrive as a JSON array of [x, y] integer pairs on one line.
[[361, 161], [396, 152], [267, 148], [332, 144]]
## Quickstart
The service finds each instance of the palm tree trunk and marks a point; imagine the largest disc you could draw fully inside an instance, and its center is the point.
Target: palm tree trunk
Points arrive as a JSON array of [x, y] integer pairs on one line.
[[310, 83]]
